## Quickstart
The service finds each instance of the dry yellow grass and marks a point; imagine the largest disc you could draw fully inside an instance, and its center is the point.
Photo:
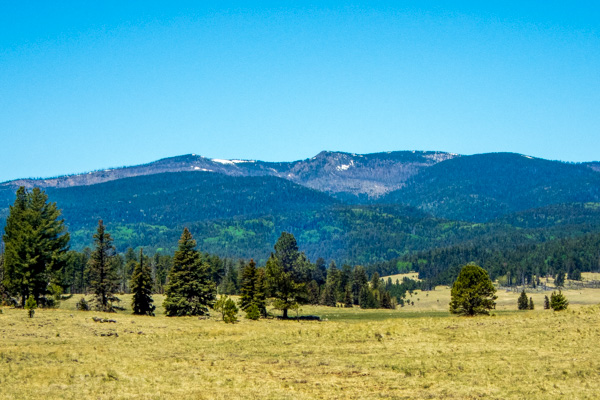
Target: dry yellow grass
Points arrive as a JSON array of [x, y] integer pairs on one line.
[[410, 353]]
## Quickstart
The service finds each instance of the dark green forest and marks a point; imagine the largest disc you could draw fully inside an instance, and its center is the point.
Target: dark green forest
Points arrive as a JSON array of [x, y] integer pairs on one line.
[[516, 216]]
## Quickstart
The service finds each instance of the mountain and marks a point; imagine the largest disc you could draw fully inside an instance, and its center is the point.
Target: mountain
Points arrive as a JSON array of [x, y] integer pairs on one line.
[[483, 187], [345, 174], [346, 207]]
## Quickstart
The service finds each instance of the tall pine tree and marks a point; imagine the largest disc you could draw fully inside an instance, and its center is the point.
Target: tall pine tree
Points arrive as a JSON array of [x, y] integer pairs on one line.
[[141, 286], [190, 290], [36, 244], [248, 285], [104, 280]]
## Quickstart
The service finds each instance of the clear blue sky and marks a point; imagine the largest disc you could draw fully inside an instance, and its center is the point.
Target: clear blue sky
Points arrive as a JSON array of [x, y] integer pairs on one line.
[[95, 84]]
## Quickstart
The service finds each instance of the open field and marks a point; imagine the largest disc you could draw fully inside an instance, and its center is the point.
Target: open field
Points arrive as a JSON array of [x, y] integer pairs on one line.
[[414, 352]]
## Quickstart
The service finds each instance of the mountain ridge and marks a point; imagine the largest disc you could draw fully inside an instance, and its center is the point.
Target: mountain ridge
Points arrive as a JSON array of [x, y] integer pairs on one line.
[[371, 174]]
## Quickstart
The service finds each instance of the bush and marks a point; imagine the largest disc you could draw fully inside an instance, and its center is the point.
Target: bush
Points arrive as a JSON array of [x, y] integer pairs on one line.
[[82, 305], [30, 305], [253, 312]]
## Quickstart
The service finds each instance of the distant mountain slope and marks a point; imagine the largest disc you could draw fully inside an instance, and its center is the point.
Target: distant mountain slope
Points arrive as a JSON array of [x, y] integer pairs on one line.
[[371, 175], [486, 186], [555, 215], [179, 198]]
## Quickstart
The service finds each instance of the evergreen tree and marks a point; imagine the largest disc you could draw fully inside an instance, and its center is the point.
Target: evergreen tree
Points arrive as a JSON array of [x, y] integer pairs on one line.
[[328, 296], [531, 306], [36, 243], [359, 280], [375, 281], [253, 313], [126, 269], [546, 303], [367, 299], [312, 292], [260, 292], [30, 305], [559, 280], [104, 280], [320, 271], [141, 286], [348, 298], [248, 285], [473, 292], [287, 273], [227, 308], [386, 300], [230, 283], [523, 302], [558, 301], [189, 291], [282, 285]]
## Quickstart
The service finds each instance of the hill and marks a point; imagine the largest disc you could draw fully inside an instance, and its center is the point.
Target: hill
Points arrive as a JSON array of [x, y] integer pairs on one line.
[[487, 186]]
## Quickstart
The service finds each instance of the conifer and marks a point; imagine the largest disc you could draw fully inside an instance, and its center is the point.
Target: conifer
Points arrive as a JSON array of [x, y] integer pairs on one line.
[[190, 291], [141, 286], [36, 243], [348, 298], [558, 301], [523, 302], [248, 285], [546, 303], [104, 280], [531, 306], [473, 292]]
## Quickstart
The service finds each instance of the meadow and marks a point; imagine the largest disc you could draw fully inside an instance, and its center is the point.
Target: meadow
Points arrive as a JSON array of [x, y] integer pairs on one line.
[[414, 352]]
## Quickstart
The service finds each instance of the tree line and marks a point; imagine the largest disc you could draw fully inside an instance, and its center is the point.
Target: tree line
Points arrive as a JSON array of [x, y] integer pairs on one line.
[[36, 262]]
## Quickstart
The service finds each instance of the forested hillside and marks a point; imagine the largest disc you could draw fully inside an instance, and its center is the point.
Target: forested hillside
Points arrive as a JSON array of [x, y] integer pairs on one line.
[[486, 186], [448, 209]]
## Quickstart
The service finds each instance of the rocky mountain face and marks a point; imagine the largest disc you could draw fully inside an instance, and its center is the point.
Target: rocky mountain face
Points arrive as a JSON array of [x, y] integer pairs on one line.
[[370, 175]]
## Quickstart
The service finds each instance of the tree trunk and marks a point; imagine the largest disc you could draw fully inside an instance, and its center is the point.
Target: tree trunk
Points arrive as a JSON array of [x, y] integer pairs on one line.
[[285, 313]]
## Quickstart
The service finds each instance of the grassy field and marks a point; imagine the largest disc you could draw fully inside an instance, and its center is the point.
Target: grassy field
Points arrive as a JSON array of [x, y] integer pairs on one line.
[[415, 352]]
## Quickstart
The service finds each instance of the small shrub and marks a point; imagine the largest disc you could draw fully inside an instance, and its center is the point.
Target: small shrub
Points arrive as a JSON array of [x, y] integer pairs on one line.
[[558, 301], [30, 305], [230, 312], [253, 312], [82, 305], [546, 303]]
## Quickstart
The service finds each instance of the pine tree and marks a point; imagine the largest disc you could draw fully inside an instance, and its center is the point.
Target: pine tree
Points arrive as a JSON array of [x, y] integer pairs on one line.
[[366, 298], [473, 292], [558, 301], [312, 292], [546, 303], [190, 291], [531, 306], [523, 302], [559, 280], [36, 243], [386, 300], [287, 272], [104, 280], [30, 305], [248, 285], [359, 280], [348, 298], [228, 309], [260, 292], [141, 286], [328, 296]]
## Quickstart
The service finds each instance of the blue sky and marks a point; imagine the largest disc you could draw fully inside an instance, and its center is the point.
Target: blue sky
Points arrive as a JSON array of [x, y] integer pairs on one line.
[[93, 85]]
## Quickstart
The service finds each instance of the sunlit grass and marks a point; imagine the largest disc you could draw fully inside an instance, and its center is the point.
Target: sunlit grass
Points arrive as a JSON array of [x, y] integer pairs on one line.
[[414, 352]]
